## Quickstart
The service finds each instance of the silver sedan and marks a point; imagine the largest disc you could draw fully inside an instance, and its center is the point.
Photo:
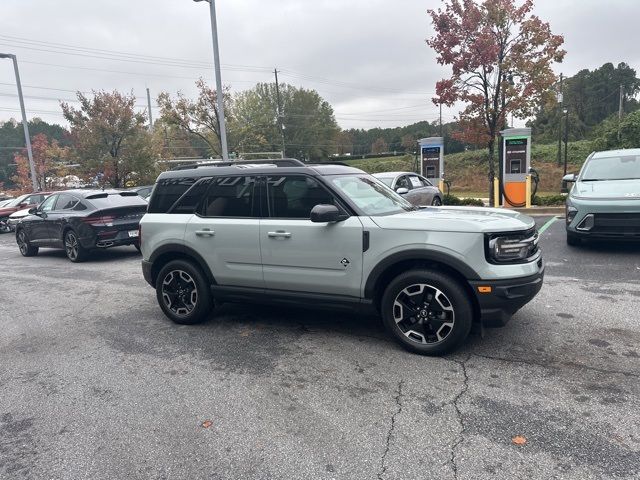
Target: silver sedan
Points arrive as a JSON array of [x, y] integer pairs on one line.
[[415, 188]]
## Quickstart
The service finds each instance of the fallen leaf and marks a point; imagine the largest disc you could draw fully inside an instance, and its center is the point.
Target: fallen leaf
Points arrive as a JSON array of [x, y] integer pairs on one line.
[[207, 423], [519, 440]]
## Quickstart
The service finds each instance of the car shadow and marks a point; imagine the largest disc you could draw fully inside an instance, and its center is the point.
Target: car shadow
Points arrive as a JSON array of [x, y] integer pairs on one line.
[[96, 256]]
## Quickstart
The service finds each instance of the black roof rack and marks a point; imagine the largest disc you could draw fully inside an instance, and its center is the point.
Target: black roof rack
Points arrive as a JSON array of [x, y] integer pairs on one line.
[[279, 162]]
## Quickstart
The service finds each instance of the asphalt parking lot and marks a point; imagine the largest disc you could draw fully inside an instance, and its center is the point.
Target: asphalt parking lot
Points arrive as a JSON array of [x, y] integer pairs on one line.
[[96, 383]]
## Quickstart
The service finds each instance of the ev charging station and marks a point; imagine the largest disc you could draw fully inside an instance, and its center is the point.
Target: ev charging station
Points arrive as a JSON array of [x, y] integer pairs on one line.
[[432, 160], [515, 182]]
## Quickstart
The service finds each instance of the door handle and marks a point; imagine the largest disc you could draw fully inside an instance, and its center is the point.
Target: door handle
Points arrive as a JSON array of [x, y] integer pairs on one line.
[[279, 234], [205, 233]]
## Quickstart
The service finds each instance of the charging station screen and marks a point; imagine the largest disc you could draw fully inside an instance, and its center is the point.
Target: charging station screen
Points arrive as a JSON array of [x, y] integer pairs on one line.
[[515, 155], [431, 162]]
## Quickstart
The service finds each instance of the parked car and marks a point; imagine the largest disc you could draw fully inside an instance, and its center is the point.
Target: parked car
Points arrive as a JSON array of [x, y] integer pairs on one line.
[[415, 188], [333, 236], [143, 191], [16, 217], [5, 201], [80, 221], [23, 201], [604, 202]]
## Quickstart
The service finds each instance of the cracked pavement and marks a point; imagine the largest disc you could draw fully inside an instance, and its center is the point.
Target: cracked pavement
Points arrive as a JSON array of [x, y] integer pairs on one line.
[[97, 384]]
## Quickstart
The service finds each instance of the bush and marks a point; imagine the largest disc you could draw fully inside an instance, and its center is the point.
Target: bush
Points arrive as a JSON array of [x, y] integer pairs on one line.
[[453, 200], [549, 200]]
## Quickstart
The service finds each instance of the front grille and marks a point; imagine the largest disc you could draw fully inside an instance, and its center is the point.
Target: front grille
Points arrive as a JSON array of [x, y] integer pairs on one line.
[[617, 224]]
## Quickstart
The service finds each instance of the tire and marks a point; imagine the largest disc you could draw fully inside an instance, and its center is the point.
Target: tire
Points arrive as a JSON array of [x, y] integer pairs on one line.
[[436, 202], [26, 249], [423, 333], [175, 287], [72, 247], [573, 240]]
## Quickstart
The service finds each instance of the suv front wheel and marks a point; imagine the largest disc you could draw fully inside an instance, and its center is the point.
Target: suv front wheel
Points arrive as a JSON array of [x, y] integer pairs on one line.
[[183, 292], [428, 312]]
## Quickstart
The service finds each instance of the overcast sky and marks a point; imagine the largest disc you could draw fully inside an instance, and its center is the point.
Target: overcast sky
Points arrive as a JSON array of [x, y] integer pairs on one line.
[[368, 58]]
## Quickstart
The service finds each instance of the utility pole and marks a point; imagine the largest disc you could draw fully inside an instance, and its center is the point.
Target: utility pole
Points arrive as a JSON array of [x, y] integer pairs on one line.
[[566, 137], [620, 107], [280, 124], [441, 120], [149, 106], [560, 101], [216, 62], [25, 125]]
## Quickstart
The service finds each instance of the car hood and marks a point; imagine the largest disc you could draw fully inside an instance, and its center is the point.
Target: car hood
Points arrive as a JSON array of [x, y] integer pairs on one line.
[[457, 219], [20, 213], [607, 189], [5, 212]]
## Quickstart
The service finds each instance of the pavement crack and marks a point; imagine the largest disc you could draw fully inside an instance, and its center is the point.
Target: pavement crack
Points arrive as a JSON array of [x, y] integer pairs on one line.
[[459, 416], [558, 366], [390, 433]]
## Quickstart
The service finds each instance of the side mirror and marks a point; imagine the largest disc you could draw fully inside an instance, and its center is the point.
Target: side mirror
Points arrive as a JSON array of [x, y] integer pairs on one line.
[[33, 211], [326, 214], [569, 177], [402, 191]]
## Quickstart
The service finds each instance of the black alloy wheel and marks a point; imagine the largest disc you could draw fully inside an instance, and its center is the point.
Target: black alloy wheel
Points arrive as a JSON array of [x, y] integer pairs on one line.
[[428, 312], [75, 252], [26, 249], [183, 292]]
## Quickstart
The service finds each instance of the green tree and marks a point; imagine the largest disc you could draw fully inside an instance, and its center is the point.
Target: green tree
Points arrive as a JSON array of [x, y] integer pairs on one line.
[[110, 137], [613, 134], [379, 146]]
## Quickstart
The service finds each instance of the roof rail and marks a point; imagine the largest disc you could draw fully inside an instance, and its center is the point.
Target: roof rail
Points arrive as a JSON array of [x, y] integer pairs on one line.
[[279, 162]]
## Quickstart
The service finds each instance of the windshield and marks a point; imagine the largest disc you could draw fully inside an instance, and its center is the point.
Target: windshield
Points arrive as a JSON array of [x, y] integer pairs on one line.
[[386, 180], [370, 195], [612, 168], [16, 201]]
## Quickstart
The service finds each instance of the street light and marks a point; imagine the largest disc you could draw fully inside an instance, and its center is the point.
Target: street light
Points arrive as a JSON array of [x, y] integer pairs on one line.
[[216, 62], [25, 126]]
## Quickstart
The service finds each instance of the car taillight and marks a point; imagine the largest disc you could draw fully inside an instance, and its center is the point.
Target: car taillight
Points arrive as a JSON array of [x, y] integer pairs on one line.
[[101, 221]]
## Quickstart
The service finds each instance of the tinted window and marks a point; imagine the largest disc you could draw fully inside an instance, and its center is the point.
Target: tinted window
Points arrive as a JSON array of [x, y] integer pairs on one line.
[[229, 197], [403, 182], [65, 202], [294, 196], [167, 191], [191, 198]]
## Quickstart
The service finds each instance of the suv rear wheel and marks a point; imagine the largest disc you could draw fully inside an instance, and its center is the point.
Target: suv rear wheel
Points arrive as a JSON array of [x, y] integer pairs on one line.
[[183, 292], [428, 312]]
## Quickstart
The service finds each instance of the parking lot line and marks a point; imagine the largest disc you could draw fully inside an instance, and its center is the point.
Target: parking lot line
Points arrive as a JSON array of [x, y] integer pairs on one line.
[[547, 225]]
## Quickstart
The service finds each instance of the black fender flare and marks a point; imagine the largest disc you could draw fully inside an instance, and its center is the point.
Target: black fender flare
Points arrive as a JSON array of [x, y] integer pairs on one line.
[[419, 255], [183, 251]]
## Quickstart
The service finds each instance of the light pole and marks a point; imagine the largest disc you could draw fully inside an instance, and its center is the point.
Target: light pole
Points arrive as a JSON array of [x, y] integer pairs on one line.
[[216, 62], [27, 139]]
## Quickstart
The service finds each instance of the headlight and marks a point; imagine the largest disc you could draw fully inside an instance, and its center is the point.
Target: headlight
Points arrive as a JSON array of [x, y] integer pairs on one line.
[[571, 213], [512, 248]]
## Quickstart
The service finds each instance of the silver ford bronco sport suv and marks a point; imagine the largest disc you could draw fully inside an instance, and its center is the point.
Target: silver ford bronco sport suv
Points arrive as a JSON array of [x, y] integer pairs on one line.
[[333, 236]]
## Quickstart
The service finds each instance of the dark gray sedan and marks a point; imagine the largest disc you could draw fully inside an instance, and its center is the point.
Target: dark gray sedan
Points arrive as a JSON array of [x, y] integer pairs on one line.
[[415, 188]]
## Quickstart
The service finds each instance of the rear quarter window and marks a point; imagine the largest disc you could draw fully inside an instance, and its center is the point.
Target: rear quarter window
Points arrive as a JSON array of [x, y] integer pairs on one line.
[[167, 191]]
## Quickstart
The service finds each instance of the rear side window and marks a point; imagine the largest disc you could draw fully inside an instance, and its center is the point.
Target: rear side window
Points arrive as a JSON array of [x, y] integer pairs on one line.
[[230, 197], [190, 200], [167, 191], [65, 202]]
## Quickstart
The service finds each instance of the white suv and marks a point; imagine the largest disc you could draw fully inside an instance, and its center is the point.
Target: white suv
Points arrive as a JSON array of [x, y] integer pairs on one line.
[[333, 236]]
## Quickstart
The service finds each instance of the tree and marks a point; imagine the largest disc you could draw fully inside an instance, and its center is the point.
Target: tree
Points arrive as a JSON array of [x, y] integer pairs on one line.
[[47, 159], [199, 117], [109, 137], [501, 57], [613, 134], [379, 146], [409, 143]]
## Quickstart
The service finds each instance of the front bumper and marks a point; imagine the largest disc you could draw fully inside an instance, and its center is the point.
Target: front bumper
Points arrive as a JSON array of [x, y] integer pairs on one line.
[[506, 296]]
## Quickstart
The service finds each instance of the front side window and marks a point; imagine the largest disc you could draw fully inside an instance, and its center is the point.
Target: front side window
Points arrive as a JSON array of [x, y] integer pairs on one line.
[[612, 168], [403, 182], [370, 196], [230, 197], [293, 196], [65, 202], [48, 204]]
